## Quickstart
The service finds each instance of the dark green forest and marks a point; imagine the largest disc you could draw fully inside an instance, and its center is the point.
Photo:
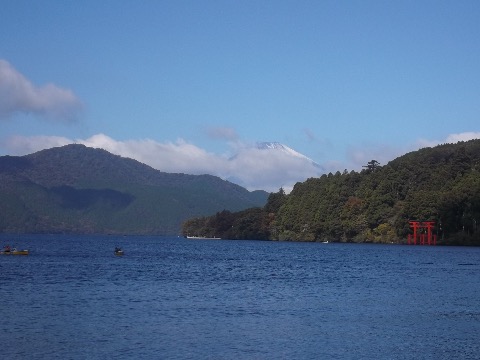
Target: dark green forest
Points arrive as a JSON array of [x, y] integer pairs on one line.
[[375, 205], [76, 189]]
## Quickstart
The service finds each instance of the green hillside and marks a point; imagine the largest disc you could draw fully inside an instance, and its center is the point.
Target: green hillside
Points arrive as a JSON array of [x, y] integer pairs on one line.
[[375, 205], [76, 189]]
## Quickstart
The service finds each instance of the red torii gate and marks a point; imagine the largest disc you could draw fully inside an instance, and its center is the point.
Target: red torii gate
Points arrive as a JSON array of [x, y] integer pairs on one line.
[[423, 239]]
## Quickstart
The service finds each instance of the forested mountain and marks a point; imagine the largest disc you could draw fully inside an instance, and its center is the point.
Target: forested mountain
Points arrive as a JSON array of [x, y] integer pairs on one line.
[[76, 189], [441, 184]]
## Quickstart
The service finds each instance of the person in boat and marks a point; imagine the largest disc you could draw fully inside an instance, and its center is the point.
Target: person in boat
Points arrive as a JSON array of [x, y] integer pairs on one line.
[[6, 248]]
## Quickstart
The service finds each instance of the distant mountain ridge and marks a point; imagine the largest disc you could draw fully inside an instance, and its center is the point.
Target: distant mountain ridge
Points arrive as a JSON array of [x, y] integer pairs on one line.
[[79, 189]]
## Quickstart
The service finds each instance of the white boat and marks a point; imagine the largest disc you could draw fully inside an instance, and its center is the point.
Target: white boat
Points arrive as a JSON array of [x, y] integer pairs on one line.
[[203, 237]]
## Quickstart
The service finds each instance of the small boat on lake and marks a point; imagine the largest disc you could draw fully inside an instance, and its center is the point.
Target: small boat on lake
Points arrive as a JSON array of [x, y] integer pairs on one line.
[[8, 251], [203, 237], [118, 251]]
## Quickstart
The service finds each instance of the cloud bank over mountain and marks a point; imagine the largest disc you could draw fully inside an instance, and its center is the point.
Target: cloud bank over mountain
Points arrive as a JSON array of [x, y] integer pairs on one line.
[[254, 168], [266, 166]]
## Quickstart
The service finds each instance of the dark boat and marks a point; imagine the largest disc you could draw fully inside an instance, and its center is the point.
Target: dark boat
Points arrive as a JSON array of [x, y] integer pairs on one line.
[[7, 251]]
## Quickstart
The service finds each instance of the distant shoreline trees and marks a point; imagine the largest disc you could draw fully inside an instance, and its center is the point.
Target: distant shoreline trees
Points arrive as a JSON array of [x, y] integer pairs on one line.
[[376, 204]]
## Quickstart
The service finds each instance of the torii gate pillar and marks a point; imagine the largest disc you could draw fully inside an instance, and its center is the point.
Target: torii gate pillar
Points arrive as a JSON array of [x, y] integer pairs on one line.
[[431, 238]]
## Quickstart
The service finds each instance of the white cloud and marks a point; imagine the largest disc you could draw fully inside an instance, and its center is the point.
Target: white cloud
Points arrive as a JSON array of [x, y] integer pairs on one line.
[[450, 139], [454, 138], [180, 156], [360, 155], [251, 168], [19, 95], [22, 145]]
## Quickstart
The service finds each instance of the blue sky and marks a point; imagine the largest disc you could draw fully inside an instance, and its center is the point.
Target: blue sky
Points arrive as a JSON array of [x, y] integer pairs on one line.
[[185, 85]]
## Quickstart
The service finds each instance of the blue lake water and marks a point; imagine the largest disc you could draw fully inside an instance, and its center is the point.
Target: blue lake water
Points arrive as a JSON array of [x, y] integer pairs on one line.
[[172, 298]]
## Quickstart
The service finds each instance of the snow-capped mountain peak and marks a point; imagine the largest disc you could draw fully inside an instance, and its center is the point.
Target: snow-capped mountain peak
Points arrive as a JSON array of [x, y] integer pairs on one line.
[[273, 164], [285, 149], [281, 147]]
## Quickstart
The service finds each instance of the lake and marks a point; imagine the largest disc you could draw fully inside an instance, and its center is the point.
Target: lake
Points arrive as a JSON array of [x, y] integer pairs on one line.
[[173, 298]]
